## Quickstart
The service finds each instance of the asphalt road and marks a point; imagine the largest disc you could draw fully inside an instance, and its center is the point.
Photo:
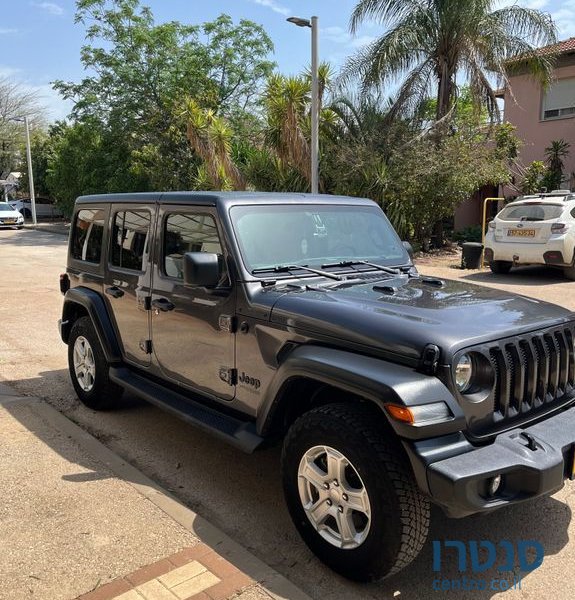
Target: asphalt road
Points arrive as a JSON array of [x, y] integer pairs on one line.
[[242, 494]]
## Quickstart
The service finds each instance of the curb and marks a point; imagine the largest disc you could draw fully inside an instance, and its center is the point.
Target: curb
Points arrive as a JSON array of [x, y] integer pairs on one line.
[[272, 582], [57, 230]]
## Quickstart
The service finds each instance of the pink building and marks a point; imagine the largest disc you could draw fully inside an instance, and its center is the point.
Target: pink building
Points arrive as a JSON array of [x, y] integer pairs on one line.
[[543, 115], [540, 116]]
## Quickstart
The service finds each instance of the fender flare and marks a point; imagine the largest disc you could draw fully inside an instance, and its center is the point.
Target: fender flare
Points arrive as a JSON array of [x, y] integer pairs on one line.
[[95, 306], [370, 378]]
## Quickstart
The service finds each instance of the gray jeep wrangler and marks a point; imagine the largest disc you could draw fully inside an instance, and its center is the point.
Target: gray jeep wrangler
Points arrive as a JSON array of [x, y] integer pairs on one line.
[[297, 318]]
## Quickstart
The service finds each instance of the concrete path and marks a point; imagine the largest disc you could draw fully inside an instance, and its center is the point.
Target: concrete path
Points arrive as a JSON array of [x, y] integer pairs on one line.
[[78, 521]]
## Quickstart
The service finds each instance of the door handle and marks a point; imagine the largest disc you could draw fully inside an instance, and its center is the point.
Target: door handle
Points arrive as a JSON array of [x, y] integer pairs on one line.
[[163, 304], [114, 291]]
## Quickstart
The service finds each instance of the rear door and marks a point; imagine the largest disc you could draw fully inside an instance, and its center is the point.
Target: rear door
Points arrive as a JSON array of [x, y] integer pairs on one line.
[[528, 223], [127, 287], [192, 328]]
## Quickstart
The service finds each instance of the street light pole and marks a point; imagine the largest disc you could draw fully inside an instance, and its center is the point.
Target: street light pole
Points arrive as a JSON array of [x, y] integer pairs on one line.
[[26, 122], [313, 24], [314, 105], [30, 173]]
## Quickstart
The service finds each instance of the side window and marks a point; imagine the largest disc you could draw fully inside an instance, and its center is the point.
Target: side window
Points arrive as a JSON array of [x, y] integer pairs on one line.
[[188, 233], [87, 235], [129, 239]]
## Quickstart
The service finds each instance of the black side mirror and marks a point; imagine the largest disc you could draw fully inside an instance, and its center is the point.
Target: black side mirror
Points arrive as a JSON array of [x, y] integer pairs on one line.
[[201, 269], [409, 249]]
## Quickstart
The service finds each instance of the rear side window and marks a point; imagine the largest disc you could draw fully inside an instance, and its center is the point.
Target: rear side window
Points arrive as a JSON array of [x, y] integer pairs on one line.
[[188, 232], [531, 212], [129, 239], [87, 235]]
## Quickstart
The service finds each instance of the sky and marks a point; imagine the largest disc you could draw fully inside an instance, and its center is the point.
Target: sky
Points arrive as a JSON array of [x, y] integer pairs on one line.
[[40, 43]]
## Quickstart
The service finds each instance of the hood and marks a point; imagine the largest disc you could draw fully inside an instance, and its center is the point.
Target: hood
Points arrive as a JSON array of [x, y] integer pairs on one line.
[[10, 214], [412, 314]]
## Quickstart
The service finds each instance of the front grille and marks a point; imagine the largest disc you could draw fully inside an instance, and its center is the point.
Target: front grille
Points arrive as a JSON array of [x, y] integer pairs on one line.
[[531, 372]]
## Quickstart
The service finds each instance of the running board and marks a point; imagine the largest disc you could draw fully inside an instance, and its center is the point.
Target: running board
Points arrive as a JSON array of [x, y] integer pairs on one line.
[[238, 433]]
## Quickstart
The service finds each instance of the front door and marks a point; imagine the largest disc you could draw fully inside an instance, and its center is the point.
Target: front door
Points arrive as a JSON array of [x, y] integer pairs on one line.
[[128, 281], [192, 337]]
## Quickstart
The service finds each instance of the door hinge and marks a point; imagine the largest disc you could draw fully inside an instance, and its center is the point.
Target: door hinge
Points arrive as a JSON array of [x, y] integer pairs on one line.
[[146, 346], [230, 376], [148, 303], [227, 323]]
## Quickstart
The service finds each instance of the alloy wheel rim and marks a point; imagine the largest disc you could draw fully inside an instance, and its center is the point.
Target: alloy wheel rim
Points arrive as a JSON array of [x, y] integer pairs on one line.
[[334, 497], [84, 364]]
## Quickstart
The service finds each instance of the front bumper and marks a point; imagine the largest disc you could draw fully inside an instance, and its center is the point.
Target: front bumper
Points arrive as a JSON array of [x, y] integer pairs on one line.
[[532, 461]]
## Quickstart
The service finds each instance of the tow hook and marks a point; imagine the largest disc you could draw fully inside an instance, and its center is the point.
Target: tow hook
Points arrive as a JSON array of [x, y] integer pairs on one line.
[[531, 443]]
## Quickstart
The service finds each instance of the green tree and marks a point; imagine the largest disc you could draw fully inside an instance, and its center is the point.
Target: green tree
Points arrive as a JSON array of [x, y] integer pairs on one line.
[[287, 109], [533, 177], [41, 149], [430, 42], [139, 74], [142, 69], [84, 159], [429, 179], [211, 139], [16, 102], [555, 154]]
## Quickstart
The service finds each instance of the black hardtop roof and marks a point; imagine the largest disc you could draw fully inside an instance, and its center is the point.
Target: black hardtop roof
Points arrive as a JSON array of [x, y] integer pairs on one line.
[[224, 199]]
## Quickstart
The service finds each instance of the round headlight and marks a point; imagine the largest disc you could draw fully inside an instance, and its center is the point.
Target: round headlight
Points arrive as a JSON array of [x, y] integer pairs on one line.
[[464, 373]]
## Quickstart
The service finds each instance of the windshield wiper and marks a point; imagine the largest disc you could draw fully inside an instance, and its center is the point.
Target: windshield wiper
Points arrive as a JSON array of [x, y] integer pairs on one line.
[[351, 263], [288, 268]]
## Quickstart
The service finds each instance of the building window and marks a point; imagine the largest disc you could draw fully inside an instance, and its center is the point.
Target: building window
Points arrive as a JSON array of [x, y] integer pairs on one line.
[[559, 99], [129, 239], [87, 236]]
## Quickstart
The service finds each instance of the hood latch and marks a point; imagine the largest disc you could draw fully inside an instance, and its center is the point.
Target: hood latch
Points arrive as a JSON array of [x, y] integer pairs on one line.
[[430, 359]]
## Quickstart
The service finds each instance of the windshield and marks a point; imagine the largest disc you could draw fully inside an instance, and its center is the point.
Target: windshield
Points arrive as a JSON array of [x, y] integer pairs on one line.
[[6, 208], [273, 235], [531, 212]]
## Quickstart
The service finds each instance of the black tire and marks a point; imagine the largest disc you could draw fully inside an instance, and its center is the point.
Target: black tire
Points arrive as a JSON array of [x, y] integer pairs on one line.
[[104, 393], [500, 267], [399, 511]]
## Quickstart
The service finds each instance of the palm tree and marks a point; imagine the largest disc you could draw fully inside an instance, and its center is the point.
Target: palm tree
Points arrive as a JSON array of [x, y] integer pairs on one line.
[[211, 139], [554, 155], [433, 42], [287, 103]]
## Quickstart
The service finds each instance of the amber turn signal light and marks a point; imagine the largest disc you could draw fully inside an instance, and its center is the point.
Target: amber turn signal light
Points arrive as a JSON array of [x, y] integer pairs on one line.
[[400, 413]]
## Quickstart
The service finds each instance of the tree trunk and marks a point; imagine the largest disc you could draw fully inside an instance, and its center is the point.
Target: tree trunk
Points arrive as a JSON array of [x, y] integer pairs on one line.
[[444, 90]]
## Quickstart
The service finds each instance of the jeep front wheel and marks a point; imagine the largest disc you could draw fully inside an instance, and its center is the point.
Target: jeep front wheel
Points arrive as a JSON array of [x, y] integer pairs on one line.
[[89, 369], [351, 493]]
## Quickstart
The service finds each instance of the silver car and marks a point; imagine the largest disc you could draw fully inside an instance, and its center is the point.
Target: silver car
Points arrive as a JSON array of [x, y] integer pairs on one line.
[[45, 208]]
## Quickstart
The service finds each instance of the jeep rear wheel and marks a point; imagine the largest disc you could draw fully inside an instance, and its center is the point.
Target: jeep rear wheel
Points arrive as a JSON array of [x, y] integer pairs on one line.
[[89, 369], [351, 493]]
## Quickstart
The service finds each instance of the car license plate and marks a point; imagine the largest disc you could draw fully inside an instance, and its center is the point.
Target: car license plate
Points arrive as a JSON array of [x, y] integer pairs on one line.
[[521, 232], [9, 221]]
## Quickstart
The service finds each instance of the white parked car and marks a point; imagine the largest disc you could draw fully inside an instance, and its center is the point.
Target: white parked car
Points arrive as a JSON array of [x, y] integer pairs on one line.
[[10, 217], [45, 208], [536, 230]]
